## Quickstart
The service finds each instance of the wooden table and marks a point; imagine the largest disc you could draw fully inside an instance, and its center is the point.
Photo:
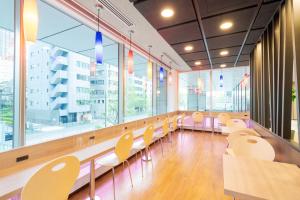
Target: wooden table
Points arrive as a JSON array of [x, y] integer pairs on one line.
[[12, 184], [246, 178]]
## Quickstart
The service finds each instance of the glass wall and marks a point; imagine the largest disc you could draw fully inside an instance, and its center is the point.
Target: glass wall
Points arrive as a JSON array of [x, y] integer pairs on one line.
[[66, 91], [138, 89], [161, 90], [73, 93], [194, 90], [6, 73], [230, 90]]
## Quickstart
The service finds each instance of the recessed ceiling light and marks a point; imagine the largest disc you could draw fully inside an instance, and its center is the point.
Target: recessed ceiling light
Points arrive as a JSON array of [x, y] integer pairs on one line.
[[226, 25], [224, 53], [188, 48], [198, 63], [223, 65], [167, 12]]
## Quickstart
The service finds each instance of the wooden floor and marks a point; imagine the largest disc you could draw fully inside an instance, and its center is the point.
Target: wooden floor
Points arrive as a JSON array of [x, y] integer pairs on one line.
[[191, 168]]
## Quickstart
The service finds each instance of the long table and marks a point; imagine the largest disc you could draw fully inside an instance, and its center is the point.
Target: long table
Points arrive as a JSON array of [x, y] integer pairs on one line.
[[246, 178], [12, 185]]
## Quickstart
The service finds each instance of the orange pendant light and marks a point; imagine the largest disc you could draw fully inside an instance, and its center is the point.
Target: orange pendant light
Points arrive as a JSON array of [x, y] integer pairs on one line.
[[30, 20]]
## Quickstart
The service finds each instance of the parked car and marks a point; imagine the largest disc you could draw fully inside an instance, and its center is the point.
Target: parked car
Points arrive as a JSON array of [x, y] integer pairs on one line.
[[8, 136]]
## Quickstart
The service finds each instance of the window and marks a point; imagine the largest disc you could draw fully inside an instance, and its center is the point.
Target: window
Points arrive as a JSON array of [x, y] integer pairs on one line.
[[194, 90], [229, 90], [75, 83], [229, 94], [138, 90], [6, 74], [161, 90]]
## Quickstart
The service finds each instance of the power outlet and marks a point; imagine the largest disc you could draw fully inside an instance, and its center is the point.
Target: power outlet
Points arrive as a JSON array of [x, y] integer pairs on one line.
[[22, 158]]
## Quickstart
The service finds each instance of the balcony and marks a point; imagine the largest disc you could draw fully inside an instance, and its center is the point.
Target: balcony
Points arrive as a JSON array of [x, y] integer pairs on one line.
[[59, 63], [58, 102], [58, 90], [59, 76], [63, 112]]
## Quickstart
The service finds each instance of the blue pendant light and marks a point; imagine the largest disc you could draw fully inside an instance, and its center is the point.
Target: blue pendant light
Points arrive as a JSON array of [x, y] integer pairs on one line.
[[98, 43], [161, 74], [221, 80]]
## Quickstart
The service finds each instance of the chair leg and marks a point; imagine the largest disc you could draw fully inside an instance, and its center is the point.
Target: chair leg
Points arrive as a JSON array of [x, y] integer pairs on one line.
[[129, 172], [149, 150], [141, 152], [161, 146], [113, 173]]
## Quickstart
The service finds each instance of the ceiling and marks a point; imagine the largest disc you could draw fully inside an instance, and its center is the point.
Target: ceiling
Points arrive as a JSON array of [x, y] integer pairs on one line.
[[197, 23]]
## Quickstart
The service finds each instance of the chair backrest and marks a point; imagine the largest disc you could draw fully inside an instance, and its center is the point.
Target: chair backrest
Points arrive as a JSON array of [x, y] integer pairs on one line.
[[148, 135], [174, 122], [252, 147], [197, 117], [124, 145], [165, 126], [223, 118], [236, 123], [53, 181]]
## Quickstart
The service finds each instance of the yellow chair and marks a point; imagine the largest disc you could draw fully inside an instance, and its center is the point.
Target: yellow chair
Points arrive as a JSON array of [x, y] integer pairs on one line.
[[53, 181], [161, 135], [198, 118], [223, 118], [174, 125], [121, 154], [145, 144]]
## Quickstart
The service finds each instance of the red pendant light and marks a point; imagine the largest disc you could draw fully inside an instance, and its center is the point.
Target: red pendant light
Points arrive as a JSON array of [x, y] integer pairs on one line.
[[130, 57]]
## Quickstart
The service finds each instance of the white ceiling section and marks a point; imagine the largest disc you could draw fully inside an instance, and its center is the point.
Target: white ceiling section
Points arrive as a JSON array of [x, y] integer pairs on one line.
[[144, 34]]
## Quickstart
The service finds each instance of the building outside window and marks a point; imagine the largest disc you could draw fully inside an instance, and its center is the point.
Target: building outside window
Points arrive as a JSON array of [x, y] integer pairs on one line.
[[161, 90], [138, 90], [6, 74], [74, 80]]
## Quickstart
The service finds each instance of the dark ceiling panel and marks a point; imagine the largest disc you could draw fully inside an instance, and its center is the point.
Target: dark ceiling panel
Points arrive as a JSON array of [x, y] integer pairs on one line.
[[183, 28], [243, 64], [195, 56], [214, 7], [183, 33], [205, 67], [233, 51], [248, 49], [241, 19], [198, 46], [226, 41], [222, 60], [265, 14], [254, 36], [203, 63], [151, 11]]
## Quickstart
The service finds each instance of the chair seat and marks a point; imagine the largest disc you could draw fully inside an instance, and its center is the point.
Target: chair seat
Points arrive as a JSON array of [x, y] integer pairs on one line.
[[109, 160], [139, 145]]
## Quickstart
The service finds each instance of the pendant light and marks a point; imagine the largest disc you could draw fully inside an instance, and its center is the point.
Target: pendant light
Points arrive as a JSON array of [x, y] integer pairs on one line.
[[30, 20], [221, 80], [161, 74], [130, 56], [98, 40], [161, 71], [149, 66]]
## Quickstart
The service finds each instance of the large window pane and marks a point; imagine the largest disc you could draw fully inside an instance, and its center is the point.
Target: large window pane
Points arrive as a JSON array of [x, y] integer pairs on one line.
[[161, 90], [138, 89], [230, 94], [194, 91], [6, 73], [66, 92]]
